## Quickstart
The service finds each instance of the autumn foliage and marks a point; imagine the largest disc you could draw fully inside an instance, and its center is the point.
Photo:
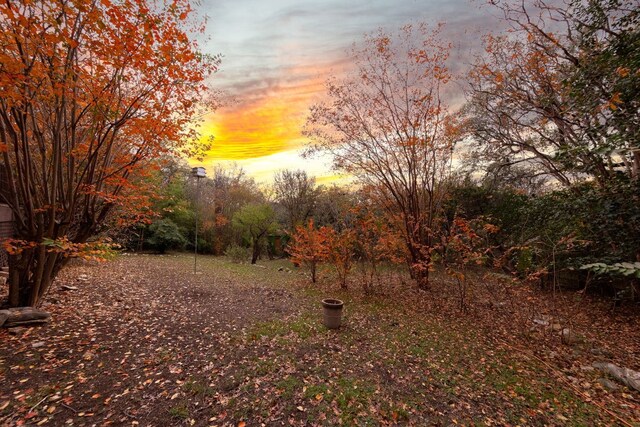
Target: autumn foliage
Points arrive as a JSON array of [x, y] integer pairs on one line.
[[387, 124], [342, 248], [310, 246], [364, 241], [91, 94]]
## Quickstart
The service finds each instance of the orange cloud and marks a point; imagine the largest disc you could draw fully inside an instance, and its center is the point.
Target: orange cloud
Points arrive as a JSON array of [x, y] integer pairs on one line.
[[267, 122]]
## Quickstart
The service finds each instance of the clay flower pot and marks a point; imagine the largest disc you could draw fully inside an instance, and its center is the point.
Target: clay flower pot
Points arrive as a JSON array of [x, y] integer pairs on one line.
[[332, 314]]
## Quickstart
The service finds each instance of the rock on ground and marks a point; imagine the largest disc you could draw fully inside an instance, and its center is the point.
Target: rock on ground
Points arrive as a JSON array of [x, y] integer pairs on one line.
[[22, 316], [627, 376]]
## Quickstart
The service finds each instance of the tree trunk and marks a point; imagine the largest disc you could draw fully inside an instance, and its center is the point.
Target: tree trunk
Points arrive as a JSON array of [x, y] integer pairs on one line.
[[31, 273], [256, 251], [419, 265], [422, 279]]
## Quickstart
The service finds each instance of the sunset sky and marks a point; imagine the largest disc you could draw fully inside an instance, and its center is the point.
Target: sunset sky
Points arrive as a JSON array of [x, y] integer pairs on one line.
[[277, 55]]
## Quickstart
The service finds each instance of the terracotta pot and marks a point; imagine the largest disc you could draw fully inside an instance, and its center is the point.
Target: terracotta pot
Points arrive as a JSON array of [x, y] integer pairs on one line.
[[332, 313]]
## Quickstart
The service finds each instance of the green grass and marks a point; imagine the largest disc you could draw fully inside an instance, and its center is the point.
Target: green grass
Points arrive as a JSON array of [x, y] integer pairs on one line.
[[198, 388], [388, 356], [303, 326], [179, 411], [288, 387], [314, 390]]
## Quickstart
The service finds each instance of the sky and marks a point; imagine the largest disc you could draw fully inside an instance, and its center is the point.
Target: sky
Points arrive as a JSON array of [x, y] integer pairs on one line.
[[276, 56]]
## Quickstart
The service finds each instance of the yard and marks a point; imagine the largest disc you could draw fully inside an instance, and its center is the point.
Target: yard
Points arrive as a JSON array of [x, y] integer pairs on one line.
[[144, 341]]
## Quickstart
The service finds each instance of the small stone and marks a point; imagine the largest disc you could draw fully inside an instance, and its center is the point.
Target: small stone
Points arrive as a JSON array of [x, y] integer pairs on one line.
[[68, 288], [542, 321], [280, 268], [569, 337], [608, 384], [37, 344]]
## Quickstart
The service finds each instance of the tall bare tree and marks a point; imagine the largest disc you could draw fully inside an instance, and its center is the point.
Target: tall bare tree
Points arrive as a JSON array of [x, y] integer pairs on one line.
[[296, 193]]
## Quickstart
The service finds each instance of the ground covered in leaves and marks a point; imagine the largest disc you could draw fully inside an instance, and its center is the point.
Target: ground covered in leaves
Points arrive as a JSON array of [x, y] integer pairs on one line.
[[144, 341]]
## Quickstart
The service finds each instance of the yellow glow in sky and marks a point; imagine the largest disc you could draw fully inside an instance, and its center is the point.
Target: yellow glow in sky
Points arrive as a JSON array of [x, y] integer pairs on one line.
[[264, 134], [258, 130]]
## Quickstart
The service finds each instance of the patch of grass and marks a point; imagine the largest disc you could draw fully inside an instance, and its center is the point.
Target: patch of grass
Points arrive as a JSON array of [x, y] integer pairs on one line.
[[314, 390], [228, 384], [197, 388], [304, 327], [352, 397], [179, 411], [289, 386], [396, 412], [531, 389], [43, 391], [265, 367]]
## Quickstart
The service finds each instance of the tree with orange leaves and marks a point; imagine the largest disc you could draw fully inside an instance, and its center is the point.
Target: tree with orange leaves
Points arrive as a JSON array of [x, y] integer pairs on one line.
[[342, 247], [92, 92], [310, 246], [387, 124]]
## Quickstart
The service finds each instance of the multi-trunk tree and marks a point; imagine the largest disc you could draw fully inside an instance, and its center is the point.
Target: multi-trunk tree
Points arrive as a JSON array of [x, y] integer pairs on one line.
[[91, 93], [255, 221], [386, 123]]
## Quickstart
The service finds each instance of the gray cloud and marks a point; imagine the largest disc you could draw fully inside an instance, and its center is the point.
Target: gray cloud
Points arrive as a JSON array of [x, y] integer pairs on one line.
[[268, 45]]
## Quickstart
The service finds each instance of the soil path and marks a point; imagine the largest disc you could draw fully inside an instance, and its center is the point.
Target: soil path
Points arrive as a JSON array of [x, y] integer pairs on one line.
[[144, 341], [120, 345]]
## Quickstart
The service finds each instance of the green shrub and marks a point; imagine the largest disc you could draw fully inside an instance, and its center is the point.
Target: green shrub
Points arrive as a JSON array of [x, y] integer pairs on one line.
[[237, 253], [586, 224], [165, 235]]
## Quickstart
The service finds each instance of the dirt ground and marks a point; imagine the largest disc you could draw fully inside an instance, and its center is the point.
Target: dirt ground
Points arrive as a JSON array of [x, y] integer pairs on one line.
[[145, 341]]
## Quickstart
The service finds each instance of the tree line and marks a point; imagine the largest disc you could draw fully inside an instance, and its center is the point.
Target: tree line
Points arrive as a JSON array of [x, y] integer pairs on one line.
[[537, 173]]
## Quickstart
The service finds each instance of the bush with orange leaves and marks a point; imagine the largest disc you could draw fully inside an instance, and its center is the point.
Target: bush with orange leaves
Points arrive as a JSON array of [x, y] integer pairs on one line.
[[310, 246], [342, 247]]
